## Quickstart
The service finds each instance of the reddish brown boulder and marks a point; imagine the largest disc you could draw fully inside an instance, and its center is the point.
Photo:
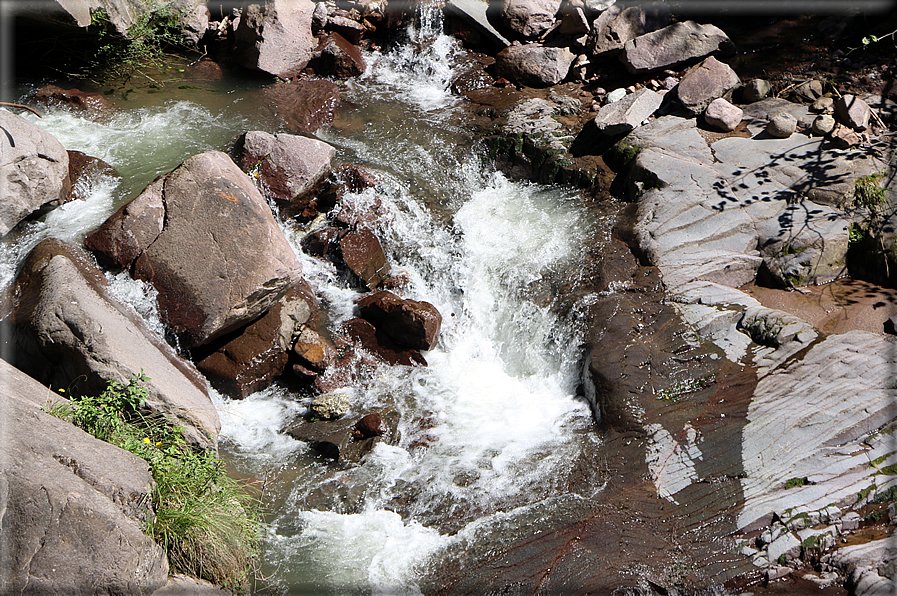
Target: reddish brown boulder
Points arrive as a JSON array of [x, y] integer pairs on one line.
[[315, 353], [204, 236], [288, 166], [364, 212], [370, 425], [335, 56], [320, 243], [249, 359], [407, 322], [380, 345], [356, 178], [364, 256], [303, 106], [84, 172], [93, 105], [350, 29]]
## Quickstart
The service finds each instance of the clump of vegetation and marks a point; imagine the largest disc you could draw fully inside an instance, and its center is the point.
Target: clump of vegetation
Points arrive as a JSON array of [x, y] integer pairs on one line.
[[208, 525], [869, 192], [796, 482], [144, 46], [680, 389]]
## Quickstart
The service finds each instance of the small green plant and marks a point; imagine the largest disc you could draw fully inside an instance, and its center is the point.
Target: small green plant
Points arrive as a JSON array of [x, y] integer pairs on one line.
[[796, 482], [680, 389], [155, 29], [865, 492], [207, 524], [869, 192]]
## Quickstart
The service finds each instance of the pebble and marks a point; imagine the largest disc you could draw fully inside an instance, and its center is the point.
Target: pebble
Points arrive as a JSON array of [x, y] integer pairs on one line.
[[823, 125], [616, 95]]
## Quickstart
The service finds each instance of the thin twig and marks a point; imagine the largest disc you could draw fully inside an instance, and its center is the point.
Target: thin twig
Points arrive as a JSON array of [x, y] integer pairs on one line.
[[6, 104]]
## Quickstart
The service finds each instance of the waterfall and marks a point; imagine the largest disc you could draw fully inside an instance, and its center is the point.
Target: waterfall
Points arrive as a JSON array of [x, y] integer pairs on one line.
[[491, 427]]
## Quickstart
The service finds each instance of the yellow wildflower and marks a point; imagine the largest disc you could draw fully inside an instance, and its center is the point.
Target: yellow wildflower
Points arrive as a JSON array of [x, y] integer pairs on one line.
[[146, 440]]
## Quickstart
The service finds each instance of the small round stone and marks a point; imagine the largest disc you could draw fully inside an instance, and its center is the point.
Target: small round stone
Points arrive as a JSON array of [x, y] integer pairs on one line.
[[782, 125]]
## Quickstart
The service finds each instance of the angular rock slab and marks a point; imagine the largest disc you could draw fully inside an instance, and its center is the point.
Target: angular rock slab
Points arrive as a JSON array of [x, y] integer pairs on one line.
[[534, 65], [70, 333], [34, 169], [673, 45], [622, 116], [204, 236], [616, 26], [275, 37], [73, 506], [473, 12], [408, 322], [288, 165]]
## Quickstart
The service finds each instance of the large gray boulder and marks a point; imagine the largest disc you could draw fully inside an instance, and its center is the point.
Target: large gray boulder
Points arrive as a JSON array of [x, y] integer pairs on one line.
[[673, 45], [529, 18], [709, 80], [73, 507], [534, 65], [204, 236], [275, 36], [69, 332], [34, 169], [616, 26], [288, 165]]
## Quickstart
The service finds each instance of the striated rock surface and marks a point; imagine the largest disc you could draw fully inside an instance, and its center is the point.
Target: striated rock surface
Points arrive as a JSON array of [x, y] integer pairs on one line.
[[73, 506], [68, 332], [34, 169]]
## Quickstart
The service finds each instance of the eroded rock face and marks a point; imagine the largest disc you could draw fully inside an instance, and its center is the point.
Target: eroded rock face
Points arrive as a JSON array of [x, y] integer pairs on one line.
[[408, 322], [34, 169], [275, 36], [68, 331], [209, 207], [73, 506], [534, 65], [288, 166], [529, 18]]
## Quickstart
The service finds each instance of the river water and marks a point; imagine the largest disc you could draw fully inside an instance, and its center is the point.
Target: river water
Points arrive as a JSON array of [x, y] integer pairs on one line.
[[491, 429]]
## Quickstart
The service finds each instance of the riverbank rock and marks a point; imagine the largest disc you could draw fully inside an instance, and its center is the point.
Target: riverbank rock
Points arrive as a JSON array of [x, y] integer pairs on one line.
[[534, 64], [722, 115], [73, 506], [249, 359], [122, 14], [618, 25], [362, 253], [302, 106], [705, 82], [206, 206], [473, 13], [853, 112], [408, 322], [335, 56], [620, 117], [34, 169], [85, 173], [68, 332], [673, 45], [275, 37], [288, 166], [364, 335], [529, 18]]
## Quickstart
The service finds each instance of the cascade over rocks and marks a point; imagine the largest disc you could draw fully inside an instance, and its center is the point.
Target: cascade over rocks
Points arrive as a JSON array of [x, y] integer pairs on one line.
[[207, 206], [73, 506], [84, 172], [67, 331], [407, 322], [275, 37], [289, 166], [34, 170]]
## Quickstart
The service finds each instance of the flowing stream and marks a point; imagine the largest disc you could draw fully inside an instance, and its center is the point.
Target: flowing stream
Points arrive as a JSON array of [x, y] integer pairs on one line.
[[491, 429]]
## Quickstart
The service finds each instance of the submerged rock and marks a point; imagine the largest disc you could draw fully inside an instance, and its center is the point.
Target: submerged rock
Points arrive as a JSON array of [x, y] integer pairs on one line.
[[302, 106], [93, 105]]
